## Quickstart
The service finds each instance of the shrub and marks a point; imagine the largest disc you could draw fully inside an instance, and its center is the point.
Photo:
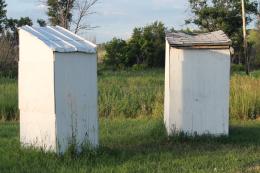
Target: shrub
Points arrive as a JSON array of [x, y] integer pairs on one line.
[[8, 57], [139, 67], [237, 68]]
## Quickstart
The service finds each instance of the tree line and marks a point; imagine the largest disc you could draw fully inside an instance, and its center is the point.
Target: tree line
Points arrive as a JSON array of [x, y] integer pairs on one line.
[[146, 46], [70, 14], [9, 41]]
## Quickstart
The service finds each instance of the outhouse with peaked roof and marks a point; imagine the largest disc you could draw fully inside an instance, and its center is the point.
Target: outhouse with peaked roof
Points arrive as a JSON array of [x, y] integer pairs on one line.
[[57, 89], [197, 74]]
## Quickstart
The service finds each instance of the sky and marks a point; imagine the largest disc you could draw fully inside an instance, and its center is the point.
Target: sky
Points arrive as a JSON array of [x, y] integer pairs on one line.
[[114, 18]]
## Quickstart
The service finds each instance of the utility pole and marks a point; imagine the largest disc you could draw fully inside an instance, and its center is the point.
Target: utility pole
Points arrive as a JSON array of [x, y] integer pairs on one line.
[[244, 36]]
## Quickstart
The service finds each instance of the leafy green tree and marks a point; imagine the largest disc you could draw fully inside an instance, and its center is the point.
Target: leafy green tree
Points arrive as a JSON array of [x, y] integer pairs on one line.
[[147, 45], [12, 26], [154, 44], [254, 47], [8, 45], [134, 48], [60, 12], [254, 44], [2, 14], [116, 53], [53, 12], [222, 14], [41, 22], [9, 41]]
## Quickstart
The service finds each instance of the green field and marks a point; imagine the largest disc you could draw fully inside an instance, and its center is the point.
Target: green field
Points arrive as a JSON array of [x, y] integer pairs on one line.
[[140, 145], [8, 99], [132, 134], [132, 94]]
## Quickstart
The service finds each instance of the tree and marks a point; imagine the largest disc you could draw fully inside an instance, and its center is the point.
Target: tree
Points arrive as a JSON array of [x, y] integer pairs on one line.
[[147, 45], [8, 57], [254, 47], [154, 44], [9, 41], [9, 46], [70, 14], [53, 11], [254, 44], [2, 14], [41, 22], [116, 53], [81, 11], [223, 15], [60, 12], [12, 25], [134, 51]]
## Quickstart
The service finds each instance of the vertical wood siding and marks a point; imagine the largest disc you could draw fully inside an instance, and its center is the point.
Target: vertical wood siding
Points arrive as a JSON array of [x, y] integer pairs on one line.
[[199, 91]]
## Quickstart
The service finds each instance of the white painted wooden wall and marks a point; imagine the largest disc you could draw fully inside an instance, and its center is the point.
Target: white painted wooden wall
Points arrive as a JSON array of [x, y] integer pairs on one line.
[[76, 99], [36, 93], [57, 96], [197, 91]]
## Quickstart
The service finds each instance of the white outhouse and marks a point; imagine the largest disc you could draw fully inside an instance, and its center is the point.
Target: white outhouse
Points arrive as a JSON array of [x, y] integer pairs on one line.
[[197, 75], [57, 89]]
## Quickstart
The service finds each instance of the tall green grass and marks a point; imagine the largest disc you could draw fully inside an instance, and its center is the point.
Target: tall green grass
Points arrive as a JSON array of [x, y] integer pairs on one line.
[[8, 99], [134, 94], [245, 97], [131, 94]]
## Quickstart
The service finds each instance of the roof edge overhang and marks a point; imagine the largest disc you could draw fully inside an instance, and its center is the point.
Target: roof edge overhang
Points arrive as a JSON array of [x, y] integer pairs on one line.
[[202, 46], [210, 40], [85, 52]]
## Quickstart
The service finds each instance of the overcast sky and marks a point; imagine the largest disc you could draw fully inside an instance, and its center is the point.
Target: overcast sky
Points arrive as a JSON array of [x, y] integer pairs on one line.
[[115, 18]]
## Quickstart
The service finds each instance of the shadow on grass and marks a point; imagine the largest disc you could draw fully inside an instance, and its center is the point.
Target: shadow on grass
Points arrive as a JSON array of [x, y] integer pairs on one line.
[[155, 135], [154, 142], [133, 143]]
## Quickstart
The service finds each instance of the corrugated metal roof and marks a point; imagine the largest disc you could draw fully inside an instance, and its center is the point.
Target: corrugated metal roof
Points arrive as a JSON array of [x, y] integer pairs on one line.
[[60, 39], [217, 38]]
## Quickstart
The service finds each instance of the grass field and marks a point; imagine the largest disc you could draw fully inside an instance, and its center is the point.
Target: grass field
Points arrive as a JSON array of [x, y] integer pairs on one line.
[[140, 145], [8, 99], [131, 94], [132, 134]]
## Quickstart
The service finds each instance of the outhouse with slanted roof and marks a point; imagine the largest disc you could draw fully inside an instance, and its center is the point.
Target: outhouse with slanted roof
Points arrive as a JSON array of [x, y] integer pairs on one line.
[[57, 89], [197, 75]]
